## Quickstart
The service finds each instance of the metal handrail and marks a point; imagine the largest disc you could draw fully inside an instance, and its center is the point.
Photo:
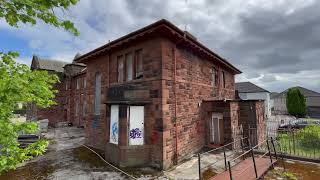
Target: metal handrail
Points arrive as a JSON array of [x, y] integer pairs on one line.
[[223, 146], [248, 150]]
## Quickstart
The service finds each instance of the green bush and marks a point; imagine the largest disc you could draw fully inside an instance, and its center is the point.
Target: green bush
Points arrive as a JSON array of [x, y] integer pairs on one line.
[[309, 137]]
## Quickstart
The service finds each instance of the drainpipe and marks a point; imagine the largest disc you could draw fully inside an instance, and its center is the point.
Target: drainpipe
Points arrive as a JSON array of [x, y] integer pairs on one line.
[[175, 103]]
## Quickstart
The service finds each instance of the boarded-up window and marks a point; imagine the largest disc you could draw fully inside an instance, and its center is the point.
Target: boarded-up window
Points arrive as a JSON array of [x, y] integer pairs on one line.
[[138, 64], [120, 68], [97, 93], [129, 64], [114, 124], [136, 125]]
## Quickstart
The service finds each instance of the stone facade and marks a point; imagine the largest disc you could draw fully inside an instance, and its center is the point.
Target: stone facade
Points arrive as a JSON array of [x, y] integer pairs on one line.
[[182, 84], [70, 97], [176, 80]]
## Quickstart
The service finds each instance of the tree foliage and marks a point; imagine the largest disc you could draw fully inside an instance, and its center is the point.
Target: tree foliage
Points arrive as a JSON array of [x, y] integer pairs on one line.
[[296, 102], [29, 11], [19, 84]]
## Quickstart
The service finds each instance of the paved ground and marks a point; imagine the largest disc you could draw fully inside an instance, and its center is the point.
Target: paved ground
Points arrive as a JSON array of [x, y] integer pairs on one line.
[[65, 159], [211, 163]]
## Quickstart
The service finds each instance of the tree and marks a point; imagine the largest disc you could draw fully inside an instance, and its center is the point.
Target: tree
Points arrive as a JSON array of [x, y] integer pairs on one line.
[[296, 102], [29, 11], [19, 84]]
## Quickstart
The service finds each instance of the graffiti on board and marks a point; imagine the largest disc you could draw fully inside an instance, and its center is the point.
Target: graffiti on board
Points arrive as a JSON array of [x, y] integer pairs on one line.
[[114, 132], [135, 133]]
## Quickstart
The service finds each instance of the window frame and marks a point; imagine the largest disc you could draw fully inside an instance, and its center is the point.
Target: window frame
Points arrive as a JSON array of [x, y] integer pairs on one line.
[[126, 66], [223, 79], [138, 73], [97, 101], [120, 57]]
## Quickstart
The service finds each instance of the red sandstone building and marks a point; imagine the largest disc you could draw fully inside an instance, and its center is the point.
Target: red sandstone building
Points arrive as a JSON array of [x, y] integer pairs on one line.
[[70, 99], [155, 97]]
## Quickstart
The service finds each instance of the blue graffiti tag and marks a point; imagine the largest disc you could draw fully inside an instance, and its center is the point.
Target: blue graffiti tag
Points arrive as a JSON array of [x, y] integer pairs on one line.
[[114, 131], [135, 133]]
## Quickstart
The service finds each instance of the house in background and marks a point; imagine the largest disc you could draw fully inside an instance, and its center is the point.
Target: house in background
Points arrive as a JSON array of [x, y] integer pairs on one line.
[[250, 91], [70, 99], [312, 102], [157, 96]]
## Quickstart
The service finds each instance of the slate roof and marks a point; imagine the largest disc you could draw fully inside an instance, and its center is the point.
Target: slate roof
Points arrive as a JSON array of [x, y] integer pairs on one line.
[[48, 64], [248, 87], [304, 91]]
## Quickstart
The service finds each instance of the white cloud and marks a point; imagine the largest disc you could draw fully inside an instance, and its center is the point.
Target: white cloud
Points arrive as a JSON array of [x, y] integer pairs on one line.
[[218, 24]]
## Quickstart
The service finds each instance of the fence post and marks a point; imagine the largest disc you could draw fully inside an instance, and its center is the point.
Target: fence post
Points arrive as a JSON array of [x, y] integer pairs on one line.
[[293, 143], [199, 163], [230, 173], [242, 147], [254, 162], [274, 148], [225, 159], [269, 152]]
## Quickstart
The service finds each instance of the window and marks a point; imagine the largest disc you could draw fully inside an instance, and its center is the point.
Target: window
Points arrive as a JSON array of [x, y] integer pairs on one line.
[[84, 82], [78, 83], [138, 64], [136, 125], [67, 85], [223, 79], [84, 108], [120, 68], [215, 79], [114, 124], [129, 65], [77, 108], [97, 93]]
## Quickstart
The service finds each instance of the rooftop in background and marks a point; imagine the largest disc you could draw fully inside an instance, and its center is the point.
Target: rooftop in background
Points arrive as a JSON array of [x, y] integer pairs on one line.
[[50, 64], [248, 87], [304, 91]]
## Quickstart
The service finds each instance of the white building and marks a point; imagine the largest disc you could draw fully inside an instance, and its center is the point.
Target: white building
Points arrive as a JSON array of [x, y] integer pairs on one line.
[[250, 91]]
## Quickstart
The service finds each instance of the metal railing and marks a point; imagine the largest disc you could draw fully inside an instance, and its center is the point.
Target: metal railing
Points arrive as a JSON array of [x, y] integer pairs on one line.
[[250, 153], [302, 142], [225, 148]]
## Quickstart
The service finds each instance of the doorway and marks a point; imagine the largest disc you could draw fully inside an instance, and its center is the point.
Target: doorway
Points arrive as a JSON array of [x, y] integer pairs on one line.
[[216, 129]]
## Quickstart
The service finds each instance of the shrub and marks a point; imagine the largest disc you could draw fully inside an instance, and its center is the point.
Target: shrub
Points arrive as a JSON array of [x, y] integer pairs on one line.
[[309, 137]]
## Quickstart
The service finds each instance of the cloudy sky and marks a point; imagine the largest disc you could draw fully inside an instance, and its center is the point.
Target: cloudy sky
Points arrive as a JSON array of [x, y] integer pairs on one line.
[[275, 43]]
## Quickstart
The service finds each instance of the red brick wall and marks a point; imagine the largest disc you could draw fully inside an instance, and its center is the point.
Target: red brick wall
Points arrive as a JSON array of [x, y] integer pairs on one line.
[[193, 85], [55, 113], [99, 137]]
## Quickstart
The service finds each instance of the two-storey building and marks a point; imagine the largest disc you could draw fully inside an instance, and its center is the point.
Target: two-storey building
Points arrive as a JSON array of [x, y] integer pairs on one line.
[[157, 95]]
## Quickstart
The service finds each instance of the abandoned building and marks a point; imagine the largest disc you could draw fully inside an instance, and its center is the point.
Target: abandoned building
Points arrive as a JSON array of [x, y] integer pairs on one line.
[[70, 99], [157, 95]]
